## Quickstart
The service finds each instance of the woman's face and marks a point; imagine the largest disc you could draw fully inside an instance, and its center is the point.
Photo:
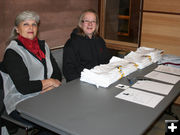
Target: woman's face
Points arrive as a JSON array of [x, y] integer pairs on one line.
[[27, 29], [88, 24]]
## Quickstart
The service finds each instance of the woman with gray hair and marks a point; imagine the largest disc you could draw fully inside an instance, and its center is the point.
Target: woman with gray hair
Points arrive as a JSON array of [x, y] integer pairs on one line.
[[28, 65], [31, 15], [85, 48]]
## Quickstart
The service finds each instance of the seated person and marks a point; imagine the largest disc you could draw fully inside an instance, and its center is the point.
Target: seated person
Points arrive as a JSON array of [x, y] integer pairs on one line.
[[28, 65], [85, 48]]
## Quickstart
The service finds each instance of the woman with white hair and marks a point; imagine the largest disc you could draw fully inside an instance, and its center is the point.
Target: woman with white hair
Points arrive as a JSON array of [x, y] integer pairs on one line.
[[28, 65]]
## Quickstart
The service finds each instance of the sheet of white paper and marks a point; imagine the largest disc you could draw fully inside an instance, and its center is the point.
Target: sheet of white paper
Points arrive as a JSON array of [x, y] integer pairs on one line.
[[153, 86], [168, 69], [140, 97], [163, 77]]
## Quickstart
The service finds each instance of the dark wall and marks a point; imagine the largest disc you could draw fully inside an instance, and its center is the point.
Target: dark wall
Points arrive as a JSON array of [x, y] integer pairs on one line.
[[58, 18]]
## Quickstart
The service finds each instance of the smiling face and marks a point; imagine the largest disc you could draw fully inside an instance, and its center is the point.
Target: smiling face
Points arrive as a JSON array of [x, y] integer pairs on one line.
[[27, 29], [88, 24]]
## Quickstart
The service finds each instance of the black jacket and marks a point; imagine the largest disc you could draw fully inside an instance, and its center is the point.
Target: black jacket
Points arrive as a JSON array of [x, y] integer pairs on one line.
[[82, 52]]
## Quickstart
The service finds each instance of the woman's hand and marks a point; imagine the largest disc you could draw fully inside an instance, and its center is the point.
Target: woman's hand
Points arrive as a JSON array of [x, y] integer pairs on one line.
[[49, 84]]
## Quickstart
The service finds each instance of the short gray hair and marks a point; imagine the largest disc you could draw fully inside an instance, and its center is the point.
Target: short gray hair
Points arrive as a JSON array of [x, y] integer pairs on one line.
[[23, 16], [27, 15]]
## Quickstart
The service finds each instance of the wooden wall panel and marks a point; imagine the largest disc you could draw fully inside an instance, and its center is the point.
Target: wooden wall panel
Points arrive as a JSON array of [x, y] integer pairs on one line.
[[161, 31], [58, 18], [162, 5]]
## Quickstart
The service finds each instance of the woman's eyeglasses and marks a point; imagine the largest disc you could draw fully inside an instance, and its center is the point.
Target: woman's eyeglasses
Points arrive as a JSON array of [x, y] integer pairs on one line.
[[87, 22]]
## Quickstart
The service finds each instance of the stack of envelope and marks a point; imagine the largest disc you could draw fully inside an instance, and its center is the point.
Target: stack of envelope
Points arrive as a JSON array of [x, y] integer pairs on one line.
[[154, 53], [140, 60], [106, 74], [144, 56]]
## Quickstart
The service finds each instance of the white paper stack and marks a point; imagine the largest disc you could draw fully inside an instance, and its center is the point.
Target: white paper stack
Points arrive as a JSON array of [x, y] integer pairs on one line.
[[153, 53], [106, 74], [124, 66], [100, 79], [140, 60]]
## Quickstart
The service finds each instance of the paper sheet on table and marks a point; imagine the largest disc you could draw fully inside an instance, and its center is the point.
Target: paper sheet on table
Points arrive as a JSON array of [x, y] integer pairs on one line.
[[163, 77], [168, 69], [140, 97], [152, 86]]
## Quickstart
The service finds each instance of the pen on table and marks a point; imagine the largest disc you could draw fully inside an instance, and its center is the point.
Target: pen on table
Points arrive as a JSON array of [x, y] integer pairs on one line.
[[144, 79], [131, 81]]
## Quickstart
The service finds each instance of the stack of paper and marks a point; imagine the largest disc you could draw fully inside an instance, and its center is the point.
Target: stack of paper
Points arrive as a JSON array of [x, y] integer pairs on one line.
[[142, 61], [100, 79], [124, 66], [106, 74], [153, 53]]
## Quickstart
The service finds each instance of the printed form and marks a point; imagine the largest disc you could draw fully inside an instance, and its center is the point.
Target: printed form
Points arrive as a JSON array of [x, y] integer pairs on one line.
[[152, 86], [168, 69], [163, 77], [147, 98], [140, 97]]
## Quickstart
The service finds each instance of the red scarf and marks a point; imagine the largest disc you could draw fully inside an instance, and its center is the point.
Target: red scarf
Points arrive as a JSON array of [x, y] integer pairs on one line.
[[32, 46]]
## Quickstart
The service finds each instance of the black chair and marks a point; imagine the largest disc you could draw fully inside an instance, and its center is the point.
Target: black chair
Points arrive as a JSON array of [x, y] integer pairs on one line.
[[171, 113], [6, 120]]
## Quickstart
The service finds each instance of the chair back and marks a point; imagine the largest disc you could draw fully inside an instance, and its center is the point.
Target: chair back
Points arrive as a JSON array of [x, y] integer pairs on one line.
[[5, 120], [1, 92], [2, 108], [1, 95], [58, 56]]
